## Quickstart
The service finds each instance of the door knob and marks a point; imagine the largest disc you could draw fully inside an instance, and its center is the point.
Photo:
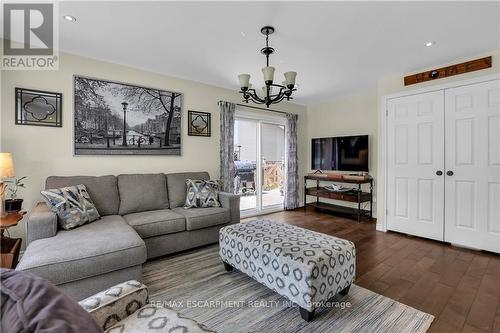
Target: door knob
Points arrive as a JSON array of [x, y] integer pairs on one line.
[[439, 173], [449, 173]]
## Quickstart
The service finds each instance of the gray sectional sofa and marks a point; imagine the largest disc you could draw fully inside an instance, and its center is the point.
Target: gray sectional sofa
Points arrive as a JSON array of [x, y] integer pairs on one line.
[[142, 217]]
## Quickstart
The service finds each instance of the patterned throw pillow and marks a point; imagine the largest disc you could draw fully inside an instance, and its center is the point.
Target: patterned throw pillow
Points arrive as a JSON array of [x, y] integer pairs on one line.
[[72, 205], [201, 194]]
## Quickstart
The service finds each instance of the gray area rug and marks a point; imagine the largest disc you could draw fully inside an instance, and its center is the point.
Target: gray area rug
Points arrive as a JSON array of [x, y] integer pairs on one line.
[[196, 285]]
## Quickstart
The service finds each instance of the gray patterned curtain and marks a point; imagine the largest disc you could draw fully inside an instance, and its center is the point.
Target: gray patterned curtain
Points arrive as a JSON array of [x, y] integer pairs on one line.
[[227, 145], [292, 161]]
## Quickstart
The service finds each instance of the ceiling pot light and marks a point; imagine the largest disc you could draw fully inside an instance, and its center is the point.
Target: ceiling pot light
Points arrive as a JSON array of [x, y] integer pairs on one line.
[[429, 44], [273, 93], [69, 18]]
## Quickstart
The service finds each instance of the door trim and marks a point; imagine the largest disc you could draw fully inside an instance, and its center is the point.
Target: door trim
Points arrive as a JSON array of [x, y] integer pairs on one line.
[[382, 142]]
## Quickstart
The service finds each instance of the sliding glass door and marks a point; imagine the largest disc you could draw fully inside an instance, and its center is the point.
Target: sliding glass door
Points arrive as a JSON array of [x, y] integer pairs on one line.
[[260, 163], [246, 161], [273, 164]]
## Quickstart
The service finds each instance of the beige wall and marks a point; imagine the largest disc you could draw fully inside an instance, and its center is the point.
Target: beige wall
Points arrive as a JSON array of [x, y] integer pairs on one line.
[[43, 151], [353, 115], [40, 151]]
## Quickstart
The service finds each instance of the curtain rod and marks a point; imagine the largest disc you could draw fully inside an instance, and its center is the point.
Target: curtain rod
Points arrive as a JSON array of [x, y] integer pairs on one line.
[[256, 107]]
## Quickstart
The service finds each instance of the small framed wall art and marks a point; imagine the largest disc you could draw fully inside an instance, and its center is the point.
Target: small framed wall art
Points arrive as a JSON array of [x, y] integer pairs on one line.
[[38, 108], [199, 123]]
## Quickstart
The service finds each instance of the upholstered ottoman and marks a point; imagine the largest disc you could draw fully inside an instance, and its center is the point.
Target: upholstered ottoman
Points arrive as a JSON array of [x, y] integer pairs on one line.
[[124, 308], [307, 267]]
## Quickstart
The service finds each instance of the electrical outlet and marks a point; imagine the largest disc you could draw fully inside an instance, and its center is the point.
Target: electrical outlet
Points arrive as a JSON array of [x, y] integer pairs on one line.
[[374, 200]]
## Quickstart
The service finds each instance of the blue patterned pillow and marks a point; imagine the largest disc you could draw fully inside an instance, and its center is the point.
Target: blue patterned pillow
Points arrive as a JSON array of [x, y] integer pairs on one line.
[[72, 205], [202, 194]]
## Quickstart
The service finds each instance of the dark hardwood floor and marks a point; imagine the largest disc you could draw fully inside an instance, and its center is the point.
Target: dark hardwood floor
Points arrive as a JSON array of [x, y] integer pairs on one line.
[[460, 287]]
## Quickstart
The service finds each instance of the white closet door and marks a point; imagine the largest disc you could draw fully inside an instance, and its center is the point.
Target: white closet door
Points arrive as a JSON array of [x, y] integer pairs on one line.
[[415, 147], [473, 156]]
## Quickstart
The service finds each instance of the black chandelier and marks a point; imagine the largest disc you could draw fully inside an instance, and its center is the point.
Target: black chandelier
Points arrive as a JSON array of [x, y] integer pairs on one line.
[[273, 93]]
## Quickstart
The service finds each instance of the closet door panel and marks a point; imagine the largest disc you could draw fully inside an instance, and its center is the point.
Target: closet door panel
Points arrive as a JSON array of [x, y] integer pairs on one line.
[[472, 159], [415, 146]]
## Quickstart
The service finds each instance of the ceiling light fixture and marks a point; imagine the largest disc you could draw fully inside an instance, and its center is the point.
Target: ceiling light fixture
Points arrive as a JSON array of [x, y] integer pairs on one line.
[[69, 18], [428, 44], [280, 91]]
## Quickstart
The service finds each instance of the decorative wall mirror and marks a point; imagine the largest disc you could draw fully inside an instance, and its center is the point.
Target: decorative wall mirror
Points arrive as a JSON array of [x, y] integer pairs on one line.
[[38, 108], [199, 123]]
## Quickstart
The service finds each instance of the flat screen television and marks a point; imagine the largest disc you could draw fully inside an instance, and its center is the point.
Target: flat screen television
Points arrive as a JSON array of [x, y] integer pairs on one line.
[[342, 153]]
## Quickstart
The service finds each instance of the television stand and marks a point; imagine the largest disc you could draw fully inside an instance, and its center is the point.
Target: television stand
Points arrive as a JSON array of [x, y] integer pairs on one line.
[[355, 196]]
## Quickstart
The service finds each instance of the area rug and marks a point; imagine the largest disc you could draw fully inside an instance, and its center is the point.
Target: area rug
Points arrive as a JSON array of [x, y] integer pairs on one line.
[[196, 285]]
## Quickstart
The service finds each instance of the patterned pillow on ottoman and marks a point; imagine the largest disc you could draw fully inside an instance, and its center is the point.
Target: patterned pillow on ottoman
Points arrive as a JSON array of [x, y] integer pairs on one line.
[[202, 193], [72, 205]]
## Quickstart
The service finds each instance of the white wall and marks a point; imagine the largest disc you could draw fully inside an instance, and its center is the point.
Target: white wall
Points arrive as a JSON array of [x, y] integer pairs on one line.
[[273, 140], [43, 151], [246, 137]]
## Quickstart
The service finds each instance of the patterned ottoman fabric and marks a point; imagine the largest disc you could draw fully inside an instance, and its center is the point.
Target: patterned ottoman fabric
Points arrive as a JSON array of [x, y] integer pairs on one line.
[[157, 319], [124, 309], [305, 266], [116, 303]]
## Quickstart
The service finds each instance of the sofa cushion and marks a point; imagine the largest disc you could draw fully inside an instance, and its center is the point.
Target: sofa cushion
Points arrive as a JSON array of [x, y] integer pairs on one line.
[[199, 218], [142, 192], [103, 190], [93, 249], [201, 194], [72, 205], [156, 222], [177, 188]]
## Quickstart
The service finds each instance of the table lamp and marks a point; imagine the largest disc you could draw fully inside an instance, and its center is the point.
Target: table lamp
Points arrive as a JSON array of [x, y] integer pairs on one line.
[[6, 171]]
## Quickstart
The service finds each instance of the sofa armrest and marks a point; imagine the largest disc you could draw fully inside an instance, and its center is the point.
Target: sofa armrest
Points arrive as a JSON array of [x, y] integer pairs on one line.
[[41, 223], [116, 303], [231, 201]]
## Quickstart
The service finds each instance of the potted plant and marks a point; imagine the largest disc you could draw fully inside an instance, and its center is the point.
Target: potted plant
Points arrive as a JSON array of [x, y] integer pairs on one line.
[[13, 204]]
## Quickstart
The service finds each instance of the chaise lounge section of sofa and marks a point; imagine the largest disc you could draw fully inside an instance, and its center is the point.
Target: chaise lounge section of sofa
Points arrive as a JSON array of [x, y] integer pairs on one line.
[[142, 217]]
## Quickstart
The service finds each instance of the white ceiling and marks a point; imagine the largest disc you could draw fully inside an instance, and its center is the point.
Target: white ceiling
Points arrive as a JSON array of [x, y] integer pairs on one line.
[[337, 48]]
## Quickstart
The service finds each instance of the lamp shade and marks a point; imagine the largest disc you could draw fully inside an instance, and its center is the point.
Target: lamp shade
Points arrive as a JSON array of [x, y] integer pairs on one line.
[[244, 80], [6, 165], [290, 78], [268, 73]]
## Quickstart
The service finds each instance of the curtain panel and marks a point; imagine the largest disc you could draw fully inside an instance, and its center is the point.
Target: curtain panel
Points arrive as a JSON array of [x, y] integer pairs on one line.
[[291, 168], [227, 169]]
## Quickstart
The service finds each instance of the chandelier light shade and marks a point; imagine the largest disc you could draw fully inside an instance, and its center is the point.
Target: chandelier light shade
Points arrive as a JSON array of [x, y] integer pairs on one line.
[[273, 93], [244, 80], [268, 74], [290, 78]]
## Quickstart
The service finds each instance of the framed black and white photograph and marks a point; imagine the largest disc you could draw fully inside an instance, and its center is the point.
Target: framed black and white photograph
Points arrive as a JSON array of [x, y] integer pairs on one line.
[[112, 118], [38, 108], [199, 123]]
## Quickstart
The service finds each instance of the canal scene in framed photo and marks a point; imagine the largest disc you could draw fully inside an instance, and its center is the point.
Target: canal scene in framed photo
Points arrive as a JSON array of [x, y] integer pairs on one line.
[[113, 118]]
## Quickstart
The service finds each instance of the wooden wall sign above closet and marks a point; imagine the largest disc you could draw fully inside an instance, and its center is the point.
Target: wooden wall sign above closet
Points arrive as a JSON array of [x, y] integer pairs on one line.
[[464, 67]]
